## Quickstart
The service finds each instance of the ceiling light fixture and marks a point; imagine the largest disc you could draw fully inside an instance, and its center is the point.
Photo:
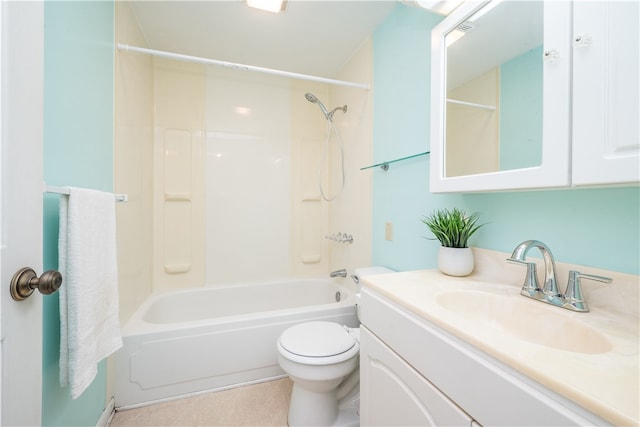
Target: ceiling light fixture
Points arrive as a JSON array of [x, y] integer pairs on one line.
[[274, 6]]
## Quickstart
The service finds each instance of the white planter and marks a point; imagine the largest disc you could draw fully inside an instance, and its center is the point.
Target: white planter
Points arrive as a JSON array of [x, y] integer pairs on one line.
[[455, 261]]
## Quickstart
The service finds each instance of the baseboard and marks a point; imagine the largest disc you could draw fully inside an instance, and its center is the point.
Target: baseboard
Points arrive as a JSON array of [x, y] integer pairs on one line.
[[107, 414], [199, 393]]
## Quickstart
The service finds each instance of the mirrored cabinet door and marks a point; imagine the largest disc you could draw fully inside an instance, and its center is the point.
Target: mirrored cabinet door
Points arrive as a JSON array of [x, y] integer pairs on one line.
[[501, 97]]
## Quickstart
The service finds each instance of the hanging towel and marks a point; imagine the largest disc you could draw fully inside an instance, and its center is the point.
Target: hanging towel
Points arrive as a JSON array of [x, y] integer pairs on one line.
[[89, 317]]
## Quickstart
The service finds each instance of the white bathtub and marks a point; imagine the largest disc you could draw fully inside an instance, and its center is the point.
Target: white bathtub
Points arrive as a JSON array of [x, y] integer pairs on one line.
[[187, 342]]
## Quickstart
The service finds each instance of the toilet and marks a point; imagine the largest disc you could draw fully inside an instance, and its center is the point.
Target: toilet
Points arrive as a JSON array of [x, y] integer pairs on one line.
[[322, 360]]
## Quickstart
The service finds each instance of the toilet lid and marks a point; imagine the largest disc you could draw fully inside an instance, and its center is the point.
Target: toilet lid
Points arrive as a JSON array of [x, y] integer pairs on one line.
[[316, 339]]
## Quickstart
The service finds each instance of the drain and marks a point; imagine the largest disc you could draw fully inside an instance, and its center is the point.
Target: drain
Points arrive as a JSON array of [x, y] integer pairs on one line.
[[338, 296]]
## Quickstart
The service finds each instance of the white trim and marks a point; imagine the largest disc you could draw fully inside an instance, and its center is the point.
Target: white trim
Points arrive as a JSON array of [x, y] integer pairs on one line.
[[107, 414], [1, 225]]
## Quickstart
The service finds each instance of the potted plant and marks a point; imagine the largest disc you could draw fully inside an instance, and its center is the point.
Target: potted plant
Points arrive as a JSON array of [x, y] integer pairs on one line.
[[453, 228]]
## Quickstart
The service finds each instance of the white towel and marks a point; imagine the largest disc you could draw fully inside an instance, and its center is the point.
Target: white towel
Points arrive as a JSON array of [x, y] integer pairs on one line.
[[89, 322]]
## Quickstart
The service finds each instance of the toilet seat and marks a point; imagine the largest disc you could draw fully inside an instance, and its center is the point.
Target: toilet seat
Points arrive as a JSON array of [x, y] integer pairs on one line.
[[317, 343]]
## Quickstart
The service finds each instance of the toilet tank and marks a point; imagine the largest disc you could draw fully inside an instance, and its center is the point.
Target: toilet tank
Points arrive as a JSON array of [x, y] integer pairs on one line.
[[366, 271]]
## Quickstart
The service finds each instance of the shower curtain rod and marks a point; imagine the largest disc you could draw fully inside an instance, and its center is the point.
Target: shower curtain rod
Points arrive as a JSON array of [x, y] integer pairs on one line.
[[235, 66]]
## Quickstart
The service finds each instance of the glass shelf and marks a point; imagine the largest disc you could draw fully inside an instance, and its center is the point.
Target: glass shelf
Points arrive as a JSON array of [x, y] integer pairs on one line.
[[385, 165]]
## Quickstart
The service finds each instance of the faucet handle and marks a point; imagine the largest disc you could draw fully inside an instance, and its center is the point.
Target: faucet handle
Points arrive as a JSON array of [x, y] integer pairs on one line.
[[573, 294], [531, 285]]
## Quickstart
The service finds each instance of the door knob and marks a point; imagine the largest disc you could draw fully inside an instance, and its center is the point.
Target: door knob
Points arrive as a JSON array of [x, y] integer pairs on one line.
[[25, 281]]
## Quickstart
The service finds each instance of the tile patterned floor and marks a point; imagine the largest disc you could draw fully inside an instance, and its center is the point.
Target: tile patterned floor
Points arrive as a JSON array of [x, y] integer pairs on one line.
[[264, 404]]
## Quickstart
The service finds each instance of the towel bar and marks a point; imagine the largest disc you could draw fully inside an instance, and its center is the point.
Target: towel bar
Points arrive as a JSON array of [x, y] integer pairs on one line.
[[65, 191]]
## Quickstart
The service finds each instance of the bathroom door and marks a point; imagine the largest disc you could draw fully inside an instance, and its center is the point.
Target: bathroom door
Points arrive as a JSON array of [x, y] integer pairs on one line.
[[21, 127]]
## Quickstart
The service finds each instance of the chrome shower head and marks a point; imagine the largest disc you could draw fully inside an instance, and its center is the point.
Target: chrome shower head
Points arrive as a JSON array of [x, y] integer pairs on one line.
[[313, 99]]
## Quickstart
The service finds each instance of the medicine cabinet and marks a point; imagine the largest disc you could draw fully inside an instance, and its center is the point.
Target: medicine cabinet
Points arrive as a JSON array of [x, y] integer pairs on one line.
[[512, 110]]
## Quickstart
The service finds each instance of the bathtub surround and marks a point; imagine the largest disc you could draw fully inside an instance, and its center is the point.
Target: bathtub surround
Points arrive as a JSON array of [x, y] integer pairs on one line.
[[248, 180], [351, 212], [178, 187], [247, 176]]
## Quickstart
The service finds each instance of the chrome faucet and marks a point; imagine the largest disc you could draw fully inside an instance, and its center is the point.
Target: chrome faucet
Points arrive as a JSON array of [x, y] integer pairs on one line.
[[572, 299], [339, 273], [550, 289]]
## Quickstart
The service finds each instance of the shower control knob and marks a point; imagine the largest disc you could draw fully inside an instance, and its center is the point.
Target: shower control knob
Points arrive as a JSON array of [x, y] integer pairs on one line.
[[25, 281]]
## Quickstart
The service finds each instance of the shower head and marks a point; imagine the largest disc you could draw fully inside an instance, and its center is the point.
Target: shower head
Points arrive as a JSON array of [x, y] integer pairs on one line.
[[314, 100], [311, 97]]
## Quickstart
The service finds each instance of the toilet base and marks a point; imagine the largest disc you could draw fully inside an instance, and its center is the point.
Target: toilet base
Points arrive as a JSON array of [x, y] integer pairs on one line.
[[349, 413], [309, 408]]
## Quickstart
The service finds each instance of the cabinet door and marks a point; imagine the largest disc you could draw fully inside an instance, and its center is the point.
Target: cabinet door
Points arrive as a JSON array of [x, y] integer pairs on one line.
[[606, 91], [392, 393]]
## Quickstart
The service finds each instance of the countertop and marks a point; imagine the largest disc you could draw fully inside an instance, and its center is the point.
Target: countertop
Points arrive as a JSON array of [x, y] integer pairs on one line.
[[605, 383]]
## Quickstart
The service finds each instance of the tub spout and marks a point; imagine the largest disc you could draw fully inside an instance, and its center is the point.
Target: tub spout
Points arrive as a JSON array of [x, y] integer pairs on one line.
[[339, 273]]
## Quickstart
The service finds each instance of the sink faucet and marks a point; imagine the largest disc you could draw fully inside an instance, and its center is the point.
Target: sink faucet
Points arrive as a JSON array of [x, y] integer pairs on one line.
[[572, 299], [339, 273], [550, 289]]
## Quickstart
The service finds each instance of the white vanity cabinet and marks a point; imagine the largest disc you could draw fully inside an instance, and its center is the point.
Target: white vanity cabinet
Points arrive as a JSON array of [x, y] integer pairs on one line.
[[392, 393], [414, 373], [606, 92]]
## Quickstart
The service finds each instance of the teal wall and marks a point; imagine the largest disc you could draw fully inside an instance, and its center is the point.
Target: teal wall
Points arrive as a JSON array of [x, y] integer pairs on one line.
[[593, 227], [78, 151]]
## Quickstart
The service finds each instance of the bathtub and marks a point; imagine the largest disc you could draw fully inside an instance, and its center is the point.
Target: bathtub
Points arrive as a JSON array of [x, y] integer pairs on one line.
[[211, 338]]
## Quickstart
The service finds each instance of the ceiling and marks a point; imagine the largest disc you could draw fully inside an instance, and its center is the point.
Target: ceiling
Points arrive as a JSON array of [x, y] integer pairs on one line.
[[310, 37]]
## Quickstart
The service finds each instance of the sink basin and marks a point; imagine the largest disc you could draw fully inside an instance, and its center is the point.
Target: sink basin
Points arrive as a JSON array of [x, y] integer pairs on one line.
[[526, 320]]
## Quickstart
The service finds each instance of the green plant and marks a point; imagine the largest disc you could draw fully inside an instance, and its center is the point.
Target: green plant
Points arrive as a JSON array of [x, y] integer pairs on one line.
[[452, 227]]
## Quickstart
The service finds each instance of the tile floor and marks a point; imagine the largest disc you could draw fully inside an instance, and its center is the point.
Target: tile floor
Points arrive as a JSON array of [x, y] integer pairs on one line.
[[264, 404]]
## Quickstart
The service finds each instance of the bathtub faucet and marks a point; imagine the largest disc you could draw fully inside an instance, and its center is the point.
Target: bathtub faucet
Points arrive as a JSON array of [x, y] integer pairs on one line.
[[339, 273]]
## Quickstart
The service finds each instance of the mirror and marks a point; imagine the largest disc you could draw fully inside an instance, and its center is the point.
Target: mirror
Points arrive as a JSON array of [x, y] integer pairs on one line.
[[494, 89], [500, 97]]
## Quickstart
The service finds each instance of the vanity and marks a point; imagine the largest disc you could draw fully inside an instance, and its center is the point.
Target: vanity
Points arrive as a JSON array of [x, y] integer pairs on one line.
[[440, 350], [537, 94]]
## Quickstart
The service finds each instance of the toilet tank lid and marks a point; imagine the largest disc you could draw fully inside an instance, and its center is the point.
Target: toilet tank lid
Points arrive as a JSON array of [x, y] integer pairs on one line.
[[317, 339]]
